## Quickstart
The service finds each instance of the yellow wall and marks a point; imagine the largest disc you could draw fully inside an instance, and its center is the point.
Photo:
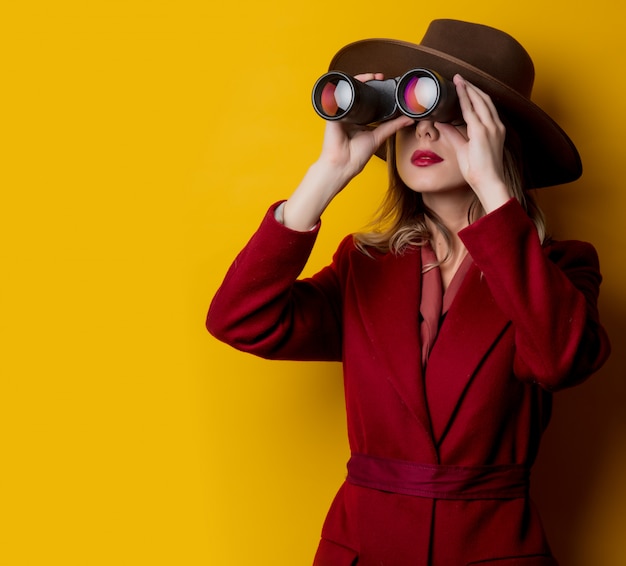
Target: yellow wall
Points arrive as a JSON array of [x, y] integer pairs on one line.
[[143, 140]]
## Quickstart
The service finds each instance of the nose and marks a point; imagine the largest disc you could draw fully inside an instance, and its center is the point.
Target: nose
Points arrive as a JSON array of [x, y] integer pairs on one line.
[[426, 128]]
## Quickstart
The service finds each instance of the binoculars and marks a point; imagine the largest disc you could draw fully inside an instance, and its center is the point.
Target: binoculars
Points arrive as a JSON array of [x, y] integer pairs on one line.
[[419, 94]]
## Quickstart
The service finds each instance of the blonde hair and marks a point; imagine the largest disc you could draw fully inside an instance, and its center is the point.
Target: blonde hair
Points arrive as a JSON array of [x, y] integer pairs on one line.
[[400, 221]]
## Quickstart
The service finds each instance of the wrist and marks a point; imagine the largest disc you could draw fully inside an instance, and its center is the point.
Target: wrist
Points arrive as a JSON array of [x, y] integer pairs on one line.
[[330, 176], [321, 183], [494, 197]]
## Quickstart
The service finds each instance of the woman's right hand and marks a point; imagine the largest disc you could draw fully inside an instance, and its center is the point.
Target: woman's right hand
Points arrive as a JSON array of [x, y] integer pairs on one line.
[[348, 147], [345, 151]]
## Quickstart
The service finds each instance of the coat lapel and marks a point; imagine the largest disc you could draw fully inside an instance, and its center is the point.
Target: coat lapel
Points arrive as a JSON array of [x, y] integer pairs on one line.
[[388, 297], [471, 327]]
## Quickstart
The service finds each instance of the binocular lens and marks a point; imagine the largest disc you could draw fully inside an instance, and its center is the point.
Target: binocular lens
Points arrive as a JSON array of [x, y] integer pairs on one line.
[[336, 97], [420, 95]]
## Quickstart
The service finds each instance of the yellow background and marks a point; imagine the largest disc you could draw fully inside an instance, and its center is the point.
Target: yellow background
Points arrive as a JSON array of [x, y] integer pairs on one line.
[[142, 143]]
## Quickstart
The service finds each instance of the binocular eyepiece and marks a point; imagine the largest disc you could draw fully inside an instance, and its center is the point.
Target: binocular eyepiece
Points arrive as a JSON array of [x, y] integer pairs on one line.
[[420, 94]]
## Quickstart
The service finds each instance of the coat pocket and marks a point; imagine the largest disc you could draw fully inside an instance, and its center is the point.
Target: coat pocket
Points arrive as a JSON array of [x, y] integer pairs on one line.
[[330, 553], [534, 560]]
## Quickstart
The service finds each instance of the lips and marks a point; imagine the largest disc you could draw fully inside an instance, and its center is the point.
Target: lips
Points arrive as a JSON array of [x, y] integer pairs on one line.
[[423, 158]]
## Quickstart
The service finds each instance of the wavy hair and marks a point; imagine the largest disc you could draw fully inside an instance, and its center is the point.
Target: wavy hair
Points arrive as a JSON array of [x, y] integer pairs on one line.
[[400, 222]]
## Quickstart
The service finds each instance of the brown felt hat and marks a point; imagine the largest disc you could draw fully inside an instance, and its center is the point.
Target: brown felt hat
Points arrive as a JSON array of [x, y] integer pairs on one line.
[[493, 61]]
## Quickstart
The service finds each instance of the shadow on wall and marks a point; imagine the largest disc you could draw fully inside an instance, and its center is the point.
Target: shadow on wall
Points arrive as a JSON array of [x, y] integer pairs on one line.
[[577, 483]]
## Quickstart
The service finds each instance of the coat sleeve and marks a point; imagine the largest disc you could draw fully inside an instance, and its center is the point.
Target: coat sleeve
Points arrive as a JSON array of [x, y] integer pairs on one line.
[[550, 294], [262, 308]]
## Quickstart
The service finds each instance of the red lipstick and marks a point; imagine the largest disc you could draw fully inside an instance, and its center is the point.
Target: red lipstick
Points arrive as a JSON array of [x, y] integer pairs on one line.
[[421, 158]]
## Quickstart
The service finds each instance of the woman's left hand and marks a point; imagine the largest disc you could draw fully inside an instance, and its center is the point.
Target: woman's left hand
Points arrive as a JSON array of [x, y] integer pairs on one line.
[[480, 152]]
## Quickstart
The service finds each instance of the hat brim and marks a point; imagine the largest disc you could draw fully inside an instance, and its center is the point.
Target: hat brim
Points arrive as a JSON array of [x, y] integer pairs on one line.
[[549, 155]]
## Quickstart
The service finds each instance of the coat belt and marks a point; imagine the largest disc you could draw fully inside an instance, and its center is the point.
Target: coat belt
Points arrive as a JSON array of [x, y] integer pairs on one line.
[[437, 481]]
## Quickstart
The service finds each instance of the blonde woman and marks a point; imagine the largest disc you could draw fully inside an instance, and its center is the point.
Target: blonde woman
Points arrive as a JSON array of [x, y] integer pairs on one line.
[[455, 318]]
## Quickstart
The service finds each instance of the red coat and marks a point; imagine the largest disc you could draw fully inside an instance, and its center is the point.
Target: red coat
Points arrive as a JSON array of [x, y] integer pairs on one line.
[[524, 323]]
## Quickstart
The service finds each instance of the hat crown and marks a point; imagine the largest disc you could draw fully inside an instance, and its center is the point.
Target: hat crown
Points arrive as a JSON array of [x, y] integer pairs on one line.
[[487, 49]]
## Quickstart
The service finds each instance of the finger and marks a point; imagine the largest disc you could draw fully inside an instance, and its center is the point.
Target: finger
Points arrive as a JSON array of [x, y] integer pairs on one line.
[[483, 105], [364, 77], [455, 132], [465, 102], [390, 127], [476, 102], [468, 97]]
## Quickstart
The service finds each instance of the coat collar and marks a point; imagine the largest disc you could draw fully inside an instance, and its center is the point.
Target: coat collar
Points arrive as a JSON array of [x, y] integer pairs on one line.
[[389, 291]]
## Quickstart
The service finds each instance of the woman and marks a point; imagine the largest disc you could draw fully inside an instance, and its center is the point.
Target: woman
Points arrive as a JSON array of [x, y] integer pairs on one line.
[[455, 319]]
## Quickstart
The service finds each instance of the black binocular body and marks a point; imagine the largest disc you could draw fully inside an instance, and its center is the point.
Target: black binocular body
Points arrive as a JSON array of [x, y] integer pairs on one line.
[[420, 94]]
